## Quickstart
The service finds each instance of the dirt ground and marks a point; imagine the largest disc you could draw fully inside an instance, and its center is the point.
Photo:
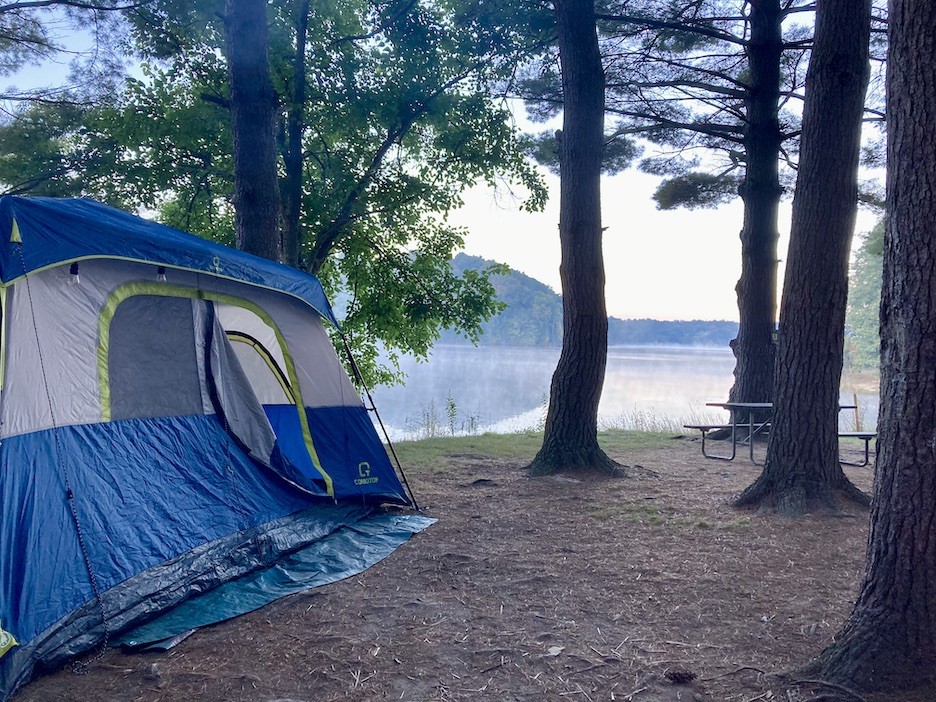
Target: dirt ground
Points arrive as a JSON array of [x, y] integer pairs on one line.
[[546, 589]]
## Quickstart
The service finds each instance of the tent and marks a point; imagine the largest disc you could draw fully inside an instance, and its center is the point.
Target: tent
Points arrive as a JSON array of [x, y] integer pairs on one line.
[[172, 415]]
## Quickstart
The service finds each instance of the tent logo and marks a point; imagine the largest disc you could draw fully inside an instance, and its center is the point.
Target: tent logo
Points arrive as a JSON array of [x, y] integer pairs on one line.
[[215, 264], [6, 642], [364, 471]]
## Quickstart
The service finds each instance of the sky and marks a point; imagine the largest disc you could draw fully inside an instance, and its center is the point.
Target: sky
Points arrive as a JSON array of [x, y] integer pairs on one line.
[[680, 264]]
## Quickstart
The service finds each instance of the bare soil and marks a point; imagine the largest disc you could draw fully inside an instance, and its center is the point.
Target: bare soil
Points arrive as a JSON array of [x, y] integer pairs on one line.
[[649, 588]]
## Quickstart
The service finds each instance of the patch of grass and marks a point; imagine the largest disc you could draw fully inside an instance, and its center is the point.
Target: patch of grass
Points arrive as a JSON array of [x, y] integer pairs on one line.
[[434, 454], [623, 440], [648, 420], [739, 524], [645, 514]]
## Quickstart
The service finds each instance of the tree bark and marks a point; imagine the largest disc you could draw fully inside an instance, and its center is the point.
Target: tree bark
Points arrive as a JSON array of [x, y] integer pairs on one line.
[[254, 107], [802, 471], [292, 156], [754, 347], [889, 641], [570, 442]]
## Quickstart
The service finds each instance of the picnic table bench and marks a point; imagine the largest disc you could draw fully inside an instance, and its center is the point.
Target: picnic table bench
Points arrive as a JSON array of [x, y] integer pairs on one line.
[[752, 425], [865, 436], [705, 429]]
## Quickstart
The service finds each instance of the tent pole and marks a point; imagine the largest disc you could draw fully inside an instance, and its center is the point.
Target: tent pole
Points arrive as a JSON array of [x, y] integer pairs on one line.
[[373, 408]]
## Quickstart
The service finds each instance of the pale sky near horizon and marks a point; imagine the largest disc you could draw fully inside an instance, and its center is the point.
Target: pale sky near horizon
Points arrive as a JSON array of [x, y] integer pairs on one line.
[[679, 264]]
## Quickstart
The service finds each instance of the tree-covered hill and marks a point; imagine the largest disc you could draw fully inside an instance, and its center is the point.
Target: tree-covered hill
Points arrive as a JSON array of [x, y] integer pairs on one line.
[[533, 317]]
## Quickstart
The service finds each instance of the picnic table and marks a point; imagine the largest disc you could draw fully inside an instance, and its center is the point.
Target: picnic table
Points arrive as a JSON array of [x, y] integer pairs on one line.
[[753, 419]]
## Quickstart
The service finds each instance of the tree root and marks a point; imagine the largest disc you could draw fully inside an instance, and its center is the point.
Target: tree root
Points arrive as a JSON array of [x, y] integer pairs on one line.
[[795, 499], [594, 461]]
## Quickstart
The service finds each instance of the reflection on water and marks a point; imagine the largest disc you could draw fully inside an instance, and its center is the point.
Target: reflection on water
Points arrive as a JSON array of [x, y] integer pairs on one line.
[[470, 390], [506, 389]]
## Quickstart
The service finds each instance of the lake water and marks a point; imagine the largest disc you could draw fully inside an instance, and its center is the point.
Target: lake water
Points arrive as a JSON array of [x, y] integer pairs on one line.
[[467, 390]]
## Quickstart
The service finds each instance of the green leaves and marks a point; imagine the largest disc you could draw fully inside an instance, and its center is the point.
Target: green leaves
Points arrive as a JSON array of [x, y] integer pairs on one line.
[[398, 301]]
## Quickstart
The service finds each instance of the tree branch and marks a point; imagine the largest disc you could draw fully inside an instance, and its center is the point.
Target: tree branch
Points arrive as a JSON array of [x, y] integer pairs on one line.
[[330, 235], [650, 23], [733, 134], [730, 92], [34, 4]]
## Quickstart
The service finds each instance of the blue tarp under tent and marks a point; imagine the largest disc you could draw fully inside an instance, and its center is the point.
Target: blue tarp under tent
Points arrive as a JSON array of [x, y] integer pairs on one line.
[[173, 417]]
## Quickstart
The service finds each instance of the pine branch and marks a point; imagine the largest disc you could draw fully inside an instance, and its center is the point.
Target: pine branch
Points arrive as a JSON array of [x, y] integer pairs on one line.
[[35, 4], [650, 23]]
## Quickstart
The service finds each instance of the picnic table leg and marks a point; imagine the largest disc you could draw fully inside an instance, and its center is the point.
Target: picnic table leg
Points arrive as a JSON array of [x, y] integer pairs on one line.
[[752, 432], [734, 443], [867, 455]]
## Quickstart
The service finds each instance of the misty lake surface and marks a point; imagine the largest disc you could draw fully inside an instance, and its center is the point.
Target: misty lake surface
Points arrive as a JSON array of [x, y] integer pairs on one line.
[[470, 390]]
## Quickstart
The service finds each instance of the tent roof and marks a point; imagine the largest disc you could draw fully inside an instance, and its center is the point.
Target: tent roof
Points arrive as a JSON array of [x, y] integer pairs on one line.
[[55, 231]]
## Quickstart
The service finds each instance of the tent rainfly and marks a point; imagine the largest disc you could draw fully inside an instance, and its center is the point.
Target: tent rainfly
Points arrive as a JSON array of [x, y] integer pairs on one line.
[[172, 416]]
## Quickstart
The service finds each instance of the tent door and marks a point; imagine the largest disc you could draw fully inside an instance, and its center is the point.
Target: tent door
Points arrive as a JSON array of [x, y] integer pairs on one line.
[[233, 396], [157, 347]]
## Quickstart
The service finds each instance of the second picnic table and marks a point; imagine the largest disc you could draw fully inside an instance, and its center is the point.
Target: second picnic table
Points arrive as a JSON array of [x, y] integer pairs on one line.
[[756, 424]]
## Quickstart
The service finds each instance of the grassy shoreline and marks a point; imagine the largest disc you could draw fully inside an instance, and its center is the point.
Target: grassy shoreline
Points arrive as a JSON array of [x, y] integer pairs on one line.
[[431, 453]]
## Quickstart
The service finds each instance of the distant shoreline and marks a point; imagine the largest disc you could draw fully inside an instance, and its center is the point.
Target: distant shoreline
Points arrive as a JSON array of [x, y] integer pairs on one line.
[[644, 345]]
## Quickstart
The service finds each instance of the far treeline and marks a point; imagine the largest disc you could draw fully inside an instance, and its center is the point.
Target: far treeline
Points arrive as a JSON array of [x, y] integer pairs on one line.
[[532, 313], [532, 316]]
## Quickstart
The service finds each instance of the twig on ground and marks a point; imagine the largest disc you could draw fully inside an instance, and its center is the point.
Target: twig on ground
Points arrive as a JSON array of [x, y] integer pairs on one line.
[[493, 667], [591, 667], [735, 672], [691, 645], [833, 686]]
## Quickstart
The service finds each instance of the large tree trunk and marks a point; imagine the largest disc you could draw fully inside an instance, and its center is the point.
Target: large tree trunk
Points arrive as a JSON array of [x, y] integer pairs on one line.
[[571, 438], [292, 156], [754, 347], [253, 118], [889, 642], [802, 470]]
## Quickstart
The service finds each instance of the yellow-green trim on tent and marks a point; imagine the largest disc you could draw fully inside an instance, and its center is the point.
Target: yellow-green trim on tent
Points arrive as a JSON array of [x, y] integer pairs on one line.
[[170, 290], [267, 358], [7, 641], [15, 236]]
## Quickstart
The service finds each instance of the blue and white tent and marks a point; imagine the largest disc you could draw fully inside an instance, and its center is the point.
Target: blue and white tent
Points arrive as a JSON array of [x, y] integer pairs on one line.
[[171, 414]]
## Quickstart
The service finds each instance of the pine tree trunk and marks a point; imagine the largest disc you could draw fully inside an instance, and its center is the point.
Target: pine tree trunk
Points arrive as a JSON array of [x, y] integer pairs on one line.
[[754, 348], [253, 119], [571, 436], [889, 642], [802, 470], [293, 153]]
